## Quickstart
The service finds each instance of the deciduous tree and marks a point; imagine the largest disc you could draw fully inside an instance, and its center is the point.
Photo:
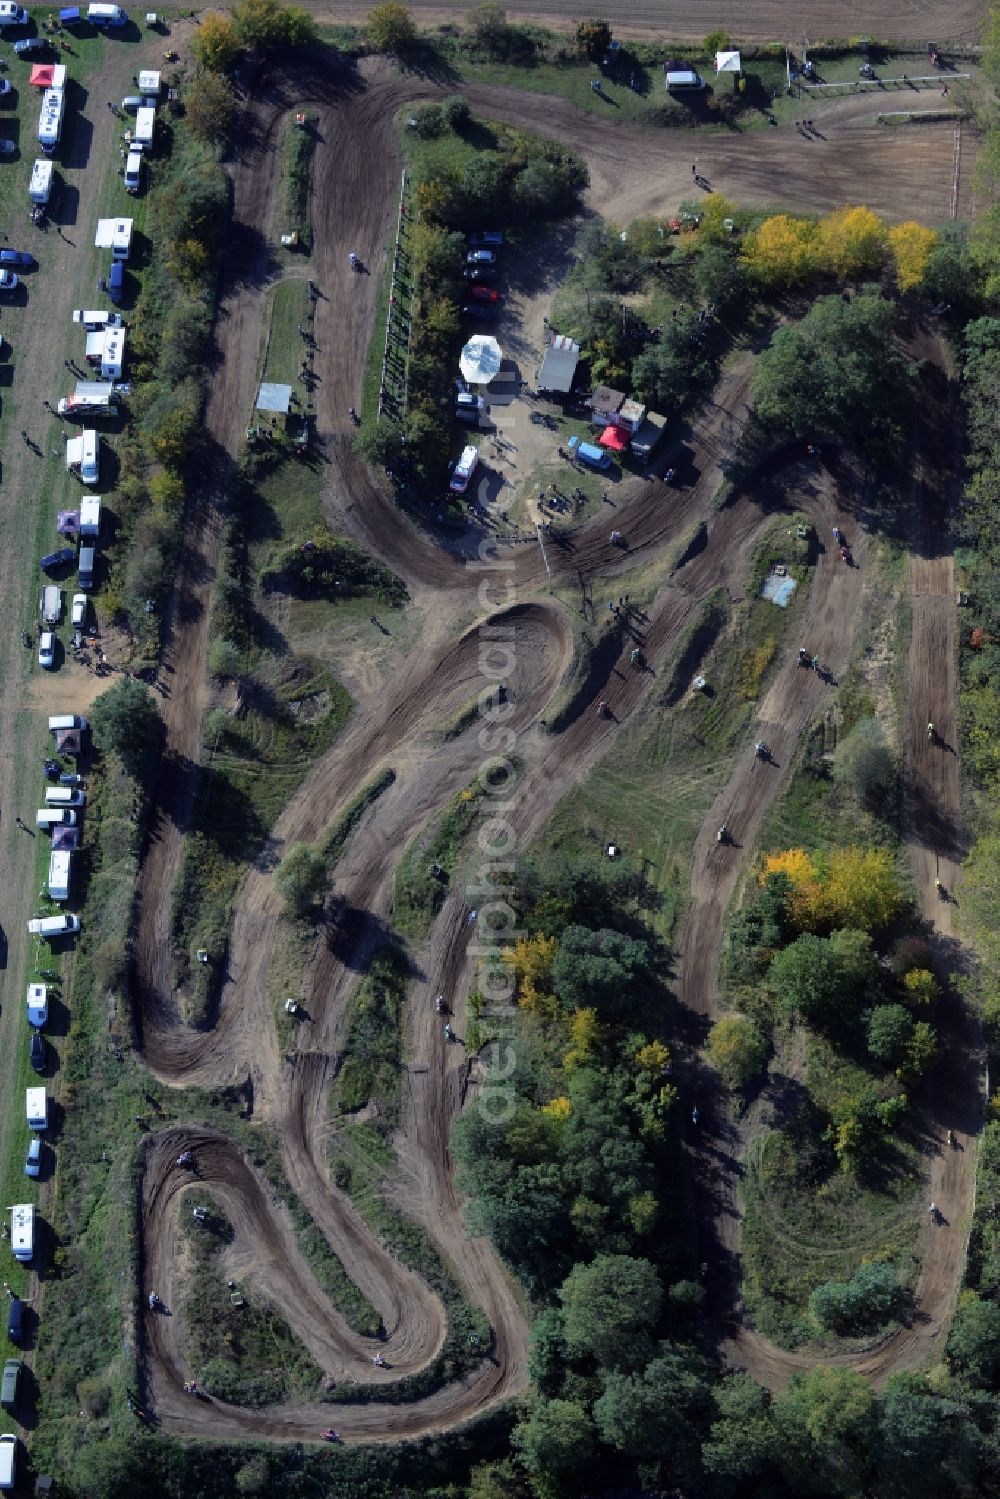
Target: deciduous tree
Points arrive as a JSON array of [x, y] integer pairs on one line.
[[912, 246], [852, 241], [738, 1048], [215, 43], [391, 28], [609, 1307], [301, 879], [125, 720], [781, 252]]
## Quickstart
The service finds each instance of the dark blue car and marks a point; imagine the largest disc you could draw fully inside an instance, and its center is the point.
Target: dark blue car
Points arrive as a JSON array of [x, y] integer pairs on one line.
[[53, 560], [17, 257]]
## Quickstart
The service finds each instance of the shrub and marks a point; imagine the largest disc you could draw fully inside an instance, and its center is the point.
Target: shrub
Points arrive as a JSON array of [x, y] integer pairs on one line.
[[738, 1048], [301, 880], [427, 120], [455, 113], [867, 1301], [390, 28], [864, 762], [223, 659]]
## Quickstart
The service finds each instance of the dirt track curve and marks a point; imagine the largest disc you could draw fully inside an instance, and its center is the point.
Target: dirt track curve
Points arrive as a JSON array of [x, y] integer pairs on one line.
[[353, 207]]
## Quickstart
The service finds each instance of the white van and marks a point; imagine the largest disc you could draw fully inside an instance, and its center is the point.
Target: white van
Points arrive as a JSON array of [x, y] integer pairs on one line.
[[83, 456], [60, 722], [65, 796], [36, 1109], [8, 1459], [53, 926], [107, 15], [55, 817], [22, 1230], [133, 171], [40, 186], [681, 80], [145, 128]]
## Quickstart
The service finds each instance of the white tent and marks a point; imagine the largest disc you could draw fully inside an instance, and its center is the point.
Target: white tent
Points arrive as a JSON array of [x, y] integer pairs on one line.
[[728, 62], [480, 361]]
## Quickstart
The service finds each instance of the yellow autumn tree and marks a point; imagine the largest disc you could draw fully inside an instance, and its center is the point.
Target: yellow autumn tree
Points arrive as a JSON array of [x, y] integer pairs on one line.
[[861, 888], [793, 862], [852, 241], [587, 1036], [558, 1109], [921, 986], [911, 245], [714, 213], [782, 251], [807, 904], [531, 959]]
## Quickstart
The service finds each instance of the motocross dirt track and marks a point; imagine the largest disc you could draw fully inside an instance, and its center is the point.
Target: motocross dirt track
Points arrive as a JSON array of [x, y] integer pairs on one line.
[[357, 185]]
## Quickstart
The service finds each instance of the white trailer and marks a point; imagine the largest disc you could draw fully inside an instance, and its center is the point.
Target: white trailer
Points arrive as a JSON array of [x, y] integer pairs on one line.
[[50, 119], [40, 186], [90, 398], [90, 515], [22, 1231], [36, 1109], [114, 235], [92, 319], [145, 129], [50, 604], [60, 862]]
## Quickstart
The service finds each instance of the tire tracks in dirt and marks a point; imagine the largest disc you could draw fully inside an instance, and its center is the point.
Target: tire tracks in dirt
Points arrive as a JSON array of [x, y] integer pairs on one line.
[[353, 203]]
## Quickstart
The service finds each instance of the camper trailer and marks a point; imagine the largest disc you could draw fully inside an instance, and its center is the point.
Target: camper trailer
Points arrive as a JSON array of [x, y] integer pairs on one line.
[[22, 1230], [40, 186], [50, 119], [90, 515], [59, 873], [145, 129]]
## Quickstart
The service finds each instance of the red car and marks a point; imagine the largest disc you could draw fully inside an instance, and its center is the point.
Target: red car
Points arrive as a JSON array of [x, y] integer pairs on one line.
[[484, 294]]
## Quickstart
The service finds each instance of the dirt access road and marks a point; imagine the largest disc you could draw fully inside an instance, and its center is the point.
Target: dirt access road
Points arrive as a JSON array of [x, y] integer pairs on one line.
[[672, 20], [353, 206]]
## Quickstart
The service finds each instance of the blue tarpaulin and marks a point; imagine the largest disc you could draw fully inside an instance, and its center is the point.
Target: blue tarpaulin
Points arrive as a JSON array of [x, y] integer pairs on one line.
[[69, 16]]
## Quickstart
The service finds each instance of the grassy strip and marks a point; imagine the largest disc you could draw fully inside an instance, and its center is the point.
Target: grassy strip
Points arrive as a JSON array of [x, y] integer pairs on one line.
[[339, 836], [370, 1070], [299, 149], [462, 720], [424, 873], [247, 1355], [362, 1162]]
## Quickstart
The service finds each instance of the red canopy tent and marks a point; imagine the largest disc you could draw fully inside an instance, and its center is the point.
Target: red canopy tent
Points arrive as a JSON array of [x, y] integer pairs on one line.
[[614, 437], [42, 74]]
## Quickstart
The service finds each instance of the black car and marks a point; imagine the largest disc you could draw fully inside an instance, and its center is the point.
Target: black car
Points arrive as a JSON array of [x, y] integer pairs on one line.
[[480, 273], [486, 312], [15, 1319], [32, 46], [36, 1051]]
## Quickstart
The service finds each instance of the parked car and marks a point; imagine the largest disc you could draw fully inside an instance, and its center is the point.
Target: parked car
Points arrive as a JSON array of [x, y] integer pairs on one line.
[[485, 314], [36, 1051], [468, 407], [32, 45], [480, 273], [33, 1160], [38, 1004], [8, 148], [6, 87], [12, 15], [480, 257], [486, 237], [79, 613], [52, 560], [15, 1319], [484, 294], [16, 257], [47, 648], [8, 281]]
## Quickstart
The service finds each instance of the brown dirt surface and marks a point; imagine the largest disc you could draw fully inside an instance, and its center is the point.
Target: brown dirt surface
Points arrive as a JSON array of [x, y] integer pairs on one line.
[[357, 182], [672, 20]]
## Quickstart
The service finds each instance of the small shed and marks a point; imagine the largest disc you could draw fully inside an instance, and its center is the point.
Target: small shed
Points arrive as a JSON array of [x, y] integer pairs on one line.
[[149, 82], [728, 62], [559, 365], [274, 399]]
